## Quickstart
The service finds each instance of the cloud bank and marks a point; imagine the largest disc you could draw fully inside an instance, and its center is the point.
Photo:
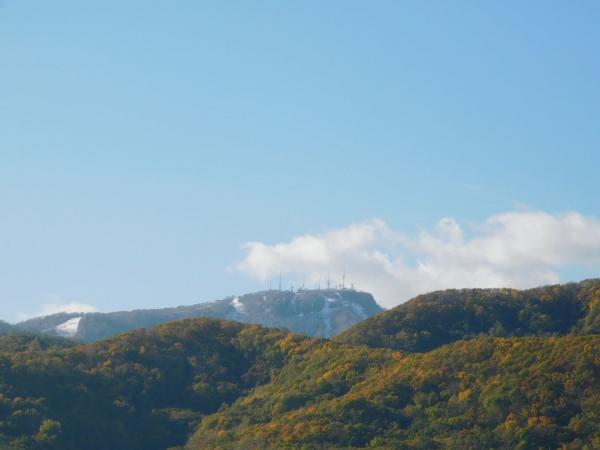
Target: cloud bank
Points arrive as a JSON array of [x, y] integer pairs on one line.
[[513, 249], [70, 307], [55, 306]]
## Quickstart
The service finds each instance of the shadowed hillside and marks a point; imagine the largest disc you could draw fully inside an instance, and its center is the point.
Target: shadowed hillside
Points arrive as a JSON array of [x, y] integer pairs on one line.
[[142, 390], [5, 327], [23, 342]]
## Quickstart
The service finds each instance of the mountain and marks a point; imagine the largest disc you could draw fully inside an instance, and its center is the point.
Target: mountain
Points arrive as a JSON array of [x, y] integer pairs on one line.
[[431, 320], [216, 384], [503, 393], [323, 313], [5, 327], [146, 389]]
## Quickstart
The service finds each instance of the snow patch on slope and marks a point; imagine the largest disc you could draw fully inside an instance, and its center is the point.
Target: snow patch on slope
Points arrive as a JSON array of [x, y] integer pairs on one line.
[[326, 312], [239, 306], [68, 328]]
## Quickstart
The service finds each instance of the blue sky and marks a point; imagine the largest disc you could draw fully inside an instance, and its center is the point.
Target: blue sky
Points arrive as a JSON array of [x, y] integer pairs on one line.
[[143, 143]]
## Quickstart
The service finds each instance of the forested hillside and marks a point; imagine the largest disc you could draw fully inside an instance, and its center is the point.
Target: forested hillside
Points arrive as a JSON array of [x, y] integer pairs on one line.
[[498, 369], [442, 317], [509, 393], [142, 390], [23, 342]]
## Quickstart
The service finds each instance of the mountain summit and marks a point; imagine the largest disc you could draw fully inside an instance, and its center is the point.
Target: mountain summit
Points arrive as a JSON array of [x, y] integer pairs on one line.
[[322, 313], [477, 368]]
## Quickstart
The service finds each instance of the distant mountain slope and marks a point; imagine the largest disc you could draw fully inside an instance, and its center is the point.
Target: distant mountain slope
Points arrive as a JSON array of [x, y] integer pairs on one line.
[[503, 393], [142, 390], [5, 327], [322, 313], [442, 317]]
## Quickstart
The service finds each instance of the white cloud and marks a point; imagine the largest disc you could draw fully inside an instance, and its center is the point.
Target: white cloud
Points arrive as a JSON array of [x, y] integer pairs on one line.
[[513, 249], [71, 307], [55, 306]]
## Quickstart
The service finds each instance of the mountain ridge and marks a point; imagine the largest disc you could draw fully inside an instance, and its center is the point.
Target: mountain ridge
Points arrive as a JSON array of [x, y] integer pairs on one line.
[[496, 368], [322, 313], [442, 317]]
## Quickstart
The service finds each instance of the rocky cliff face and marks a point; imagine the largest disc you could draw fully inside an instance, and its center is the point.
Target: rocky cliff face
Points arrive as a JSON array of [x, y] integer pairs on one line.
[[323, 313]]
